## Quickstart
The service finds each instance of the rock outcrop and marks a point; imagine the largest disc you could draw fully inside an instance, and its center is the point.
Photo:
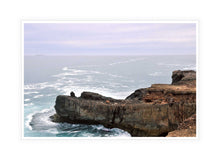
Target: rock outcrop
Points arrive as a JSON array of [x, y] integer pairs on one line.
[[153, 111], [185, 129], [72, 94], [187, 78]]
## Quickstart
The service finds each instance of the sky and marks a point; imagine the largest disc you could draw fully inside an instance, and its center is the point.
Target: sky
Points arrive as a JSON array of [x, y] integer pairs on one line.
[[109, 38]]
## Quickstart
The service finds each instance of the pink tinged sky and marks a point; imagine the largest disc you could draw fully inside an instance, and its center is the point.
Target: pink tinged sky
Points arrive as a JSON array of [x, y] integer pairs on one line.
[[109, 38]]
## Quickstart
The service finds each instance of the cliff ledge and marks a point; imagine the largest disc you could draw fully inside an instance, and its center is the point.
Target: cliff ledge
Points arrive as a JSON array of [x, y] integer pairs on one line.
[[149, 112]]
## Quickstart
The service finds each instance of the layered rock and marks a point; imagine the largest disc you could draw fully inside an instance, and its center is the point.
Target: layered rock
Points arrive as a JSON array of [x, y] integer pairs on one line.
[[152, 111]]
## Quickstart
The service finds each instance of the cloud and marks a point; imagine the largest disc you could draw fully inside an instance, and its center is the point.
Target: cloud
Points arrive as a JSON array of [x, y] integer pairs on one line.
[[116, 37]]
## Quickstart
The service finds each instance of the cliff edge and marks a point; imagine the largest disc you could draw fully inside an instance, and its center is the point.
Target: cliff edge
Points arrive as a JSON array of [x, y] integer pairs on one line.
[[149, 112]]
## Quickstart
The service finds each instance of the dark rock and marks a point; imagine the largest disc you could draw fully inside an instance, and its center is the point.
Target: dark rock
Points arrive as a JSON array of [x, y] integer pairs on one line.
[[96, 96], [72, 94], [183, 77], [136, 117], [187, 128], [138, 94], [153, 111]]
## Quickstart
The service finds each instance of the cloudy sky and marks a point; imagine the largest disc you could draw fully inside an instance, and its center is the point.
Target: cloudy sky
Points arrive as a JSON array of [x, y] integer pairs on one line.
[[109, 38]]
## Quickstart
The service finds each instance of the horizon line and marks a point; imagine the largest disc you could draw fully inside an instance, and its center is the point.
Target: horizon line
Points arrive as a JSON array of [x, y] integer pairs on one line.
[[111, 55]]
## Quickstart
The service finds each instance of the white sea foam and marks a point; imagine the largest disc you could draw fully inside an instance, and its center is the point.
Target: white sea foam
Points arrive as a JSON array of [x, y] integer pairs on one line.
[[36, 86], [74, 72], [189, 67], [28, 104], [101, 90], [50, 95], [78, 85], [117, 132], [64, 74], [40, 120], [120, 133], [31, 92], [65, 68], [37, 96], [29, 118], [79, 66], [40, 86], [26, 100], [66, 83], [53, 131]]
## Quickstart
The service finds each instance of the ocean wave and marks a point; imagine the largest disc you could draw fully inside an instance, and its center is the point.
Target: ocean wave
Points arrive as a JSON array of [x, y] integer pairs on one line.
[[66, 82], [40, 86], [35, 86], [106, 91], [31, 116], [48, 95], [78, 90], [26, 100], [74, 72], [78, 85], [34, 92], [119, 133], [82, 130], [40, 121], [64, 85], [37, 96], [116, 131], [80, 66], [28, 104], [27, 123], [189, 67]]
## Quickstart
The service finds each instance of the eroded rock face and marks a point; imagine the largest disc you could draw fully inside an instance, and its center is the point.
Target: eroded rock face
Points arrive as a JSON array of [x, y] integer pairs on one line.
[[152, 111], [187, 77], [96, 96], [138, 94], [185, 129]]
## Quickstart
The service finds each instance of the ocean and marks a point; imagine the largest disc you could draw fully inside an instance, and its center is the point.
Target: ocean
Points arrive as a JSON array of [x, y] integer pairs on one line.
[[46, 77]]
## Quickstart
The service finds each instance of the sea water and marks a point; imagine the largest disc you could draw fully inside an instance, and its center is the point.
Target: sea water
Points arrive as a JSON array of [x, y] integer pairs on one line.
[[46, 77]]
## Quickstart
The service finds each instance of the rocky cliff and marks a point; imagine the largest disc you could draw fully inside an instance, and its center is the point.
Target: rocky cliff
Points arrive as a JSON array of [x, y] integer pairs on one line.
[[187, 128], [153, 111]]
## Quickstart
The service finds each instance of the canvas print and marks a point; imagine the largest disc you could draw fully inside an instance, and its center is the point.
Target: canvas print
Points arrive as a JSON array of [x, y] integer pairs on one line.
[[109, 79]]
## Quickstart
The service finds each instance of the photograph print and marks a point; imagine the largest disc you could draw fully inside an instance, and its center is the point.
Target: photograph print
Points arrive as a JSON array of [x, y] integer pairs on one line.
[[109, 79]]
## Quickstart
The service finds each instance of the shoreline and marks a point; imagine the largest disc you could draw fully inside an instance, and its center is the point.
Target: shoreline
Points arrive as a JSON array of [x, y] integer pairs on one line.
[[153, 111]]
